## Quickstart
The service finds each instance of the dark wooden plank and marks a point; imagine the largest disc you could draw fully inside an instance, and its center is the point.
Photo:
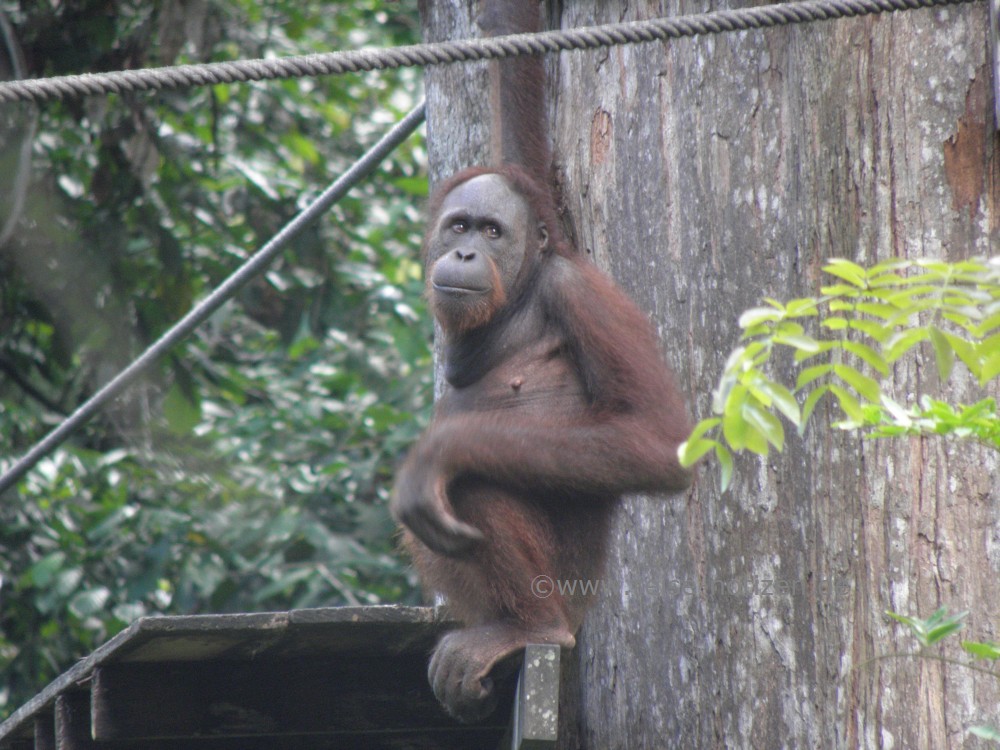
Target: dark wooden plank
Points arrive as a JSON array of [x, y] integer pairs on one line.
[[45, 731], [349, 634], [73, 722], [453, 738], [269, 697], [326, 630], [387, 629], [21, 722], [202, 637]]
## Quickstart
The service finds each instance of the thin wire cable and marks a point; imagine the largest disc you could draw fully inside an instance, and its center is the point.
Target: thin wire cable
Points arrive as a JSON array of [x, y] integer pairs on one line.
[[201, 312], [336, 63]]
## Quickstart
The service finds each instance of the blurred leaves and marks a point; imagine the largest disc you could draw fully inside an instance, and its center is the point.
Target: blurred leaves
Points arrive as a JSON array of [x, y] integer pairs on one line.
[[933, 630], [251, 470], [867, 321]]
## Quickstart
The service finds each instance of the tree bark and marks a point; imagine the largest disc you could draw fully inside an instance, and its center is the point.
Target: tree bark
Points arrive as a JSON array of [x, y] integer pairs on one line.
[[705, 174]]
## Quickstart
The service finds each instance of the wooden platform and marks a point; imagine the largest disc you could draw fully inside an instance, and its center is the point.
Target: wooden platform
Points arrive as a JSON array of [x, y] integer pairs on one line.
[[347, 677]]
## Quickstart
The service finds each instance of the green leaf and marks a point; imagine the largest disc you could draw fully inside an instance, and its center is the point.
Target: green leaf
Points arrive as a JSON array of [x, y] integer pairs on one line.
[[725, 458], [943, 352], [756, 315], [936, 627], [864, 385], [835, 324], [917, 290], [967, 352], [898, 413], [884, 272], [789, 328], [872, 329], [738, 431], [945, 629], [799, 341], [782, 399], [852, 273], [933, 264], [810, 374], [742, 358], [692, 449], [43, 572], [840, 290], [985, 408], [982, 650], [734, 429], [754, 387], [986, 733], [302, 147], [810, 404], [991, 368], [415, 186], [756, 441], [766, 424], [898, 344], [878, 309], [720, 396], [868, 355], [88, 602], [849, 405], [703, 427], [804, 307], [911, 622], [824, 346], [182, 413], [991, 322]]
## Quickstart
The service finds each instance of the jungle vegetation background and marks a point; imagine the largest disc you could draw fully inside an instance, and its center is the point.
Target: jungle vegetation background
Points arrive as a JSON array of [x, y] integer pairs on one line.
[[251, 470]]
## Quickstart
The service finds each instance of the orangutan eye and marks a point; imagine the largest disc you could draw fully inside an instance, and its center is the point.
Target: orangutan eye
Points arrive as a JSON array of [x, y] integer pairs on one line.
[[459, 226], [492, 231]]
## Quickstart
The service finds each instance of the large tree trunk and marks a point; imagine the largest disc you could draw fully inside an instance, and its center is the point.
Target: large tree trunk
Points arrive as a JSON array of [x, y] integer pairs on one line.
[[706, 174]]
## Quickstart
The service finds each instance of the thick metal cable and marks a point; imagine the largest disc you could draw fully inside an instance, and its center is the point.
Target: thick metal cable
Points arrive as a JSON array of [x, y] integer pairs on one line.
[[201, 312], [335, 63]]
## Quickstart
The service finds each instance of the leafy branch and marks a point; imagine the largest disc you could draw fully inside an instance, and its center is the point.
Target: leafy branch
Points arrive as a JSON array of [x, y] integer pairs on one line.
[[867, 319], [930, 632]]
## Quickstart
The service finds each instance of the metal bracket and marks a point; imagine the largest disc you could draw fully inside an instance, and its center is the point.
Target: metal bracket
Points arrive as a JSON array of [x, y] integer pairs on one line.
[[535, 723]]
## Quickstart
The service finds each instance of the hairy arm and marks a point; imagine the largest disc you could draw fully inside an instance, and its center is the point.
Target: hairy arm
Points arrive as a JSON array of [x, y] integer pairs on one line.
[[624, 439]]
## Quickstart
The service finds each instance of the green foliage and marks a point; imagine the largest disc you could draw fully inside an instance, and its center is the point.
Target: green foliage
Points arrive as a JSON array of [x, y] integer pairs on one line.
[[931, 417], [933, 630], [861, 325], [251, 470], [987, 733]]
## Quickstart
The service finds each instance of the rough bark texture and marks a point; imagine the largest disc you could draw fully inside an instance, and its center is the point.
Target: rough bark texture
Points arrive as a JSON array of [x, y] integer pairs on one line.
[[706, 174]]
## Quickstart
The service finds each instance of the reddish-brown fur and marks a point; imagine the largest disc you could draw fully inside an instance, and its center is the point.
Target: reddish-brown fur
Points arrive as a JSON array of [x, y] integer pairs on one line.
[[559, 404]]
